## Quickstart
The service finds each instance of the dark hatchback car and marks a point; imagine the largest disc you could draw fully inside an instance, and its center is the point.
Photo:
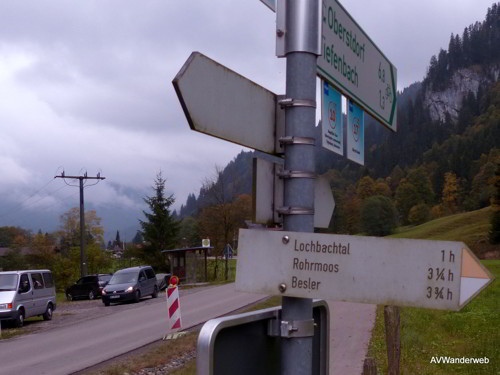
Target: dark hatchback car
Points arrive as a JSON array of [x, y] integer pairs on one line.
[[130, 284], [88, 287]]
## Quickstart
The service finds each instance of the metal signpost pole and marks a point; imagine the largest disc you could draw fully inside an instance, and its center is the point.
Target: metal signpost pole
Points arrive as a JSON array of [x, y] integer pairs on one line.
[[301, 39]]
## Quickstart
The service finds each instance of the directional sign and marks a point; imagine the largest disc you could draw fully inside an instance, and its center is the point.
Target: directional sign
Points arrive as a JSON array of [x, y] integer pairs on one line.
[[432, 274], [268, 195], [354, 65], [224, 104], [271, 4]]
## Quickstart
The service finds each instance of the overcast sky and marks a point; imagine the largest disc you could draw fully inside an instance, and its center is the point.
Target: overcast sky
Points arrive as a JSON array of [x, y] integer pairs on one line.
[[86, 86]]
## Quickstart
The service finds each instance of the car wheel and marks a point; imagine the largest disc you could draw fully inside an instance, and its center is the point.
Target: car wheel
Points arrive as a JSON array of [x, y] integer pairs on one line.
[[91, 295], [48, 313], [106, 303], [155, 292], [19, 322], [69, 296], [137, 296]]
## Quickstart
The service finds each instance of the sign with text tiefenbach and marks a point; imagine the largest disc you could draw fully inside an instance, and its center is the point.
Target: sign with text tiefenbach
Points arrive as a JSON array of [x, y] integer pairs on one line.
[[432, 274], [352, 63]]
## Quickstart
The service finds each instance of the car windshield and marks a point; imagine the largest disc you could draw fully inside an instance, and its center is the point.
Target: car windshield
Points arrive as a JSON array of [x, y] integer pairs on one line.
[[8, 282], [123, 278]]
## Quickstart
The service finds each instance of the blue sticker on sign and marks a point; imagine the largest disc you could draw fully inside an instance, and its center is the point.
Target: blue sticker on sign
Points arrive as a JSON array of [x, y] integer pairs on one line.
[[331, 119], [356, 134]]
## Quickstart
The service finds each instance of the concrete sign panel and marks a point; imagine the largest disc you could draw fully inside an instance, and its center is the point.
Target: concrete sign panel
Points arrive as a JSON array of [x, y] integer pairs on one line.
[[226, 105], [432, 274], [355, 133], [354, 65], [332, 134]]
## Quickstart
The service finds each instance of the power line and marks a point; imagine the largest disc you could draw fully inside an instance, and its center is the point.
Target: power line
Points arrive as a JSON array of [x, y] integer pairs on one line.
[[82, 179], [31, 196]]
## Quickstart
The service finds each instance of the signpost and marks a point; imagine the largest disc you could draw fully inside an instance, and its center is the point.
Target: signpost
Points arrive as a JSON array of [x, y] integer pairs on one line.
[[432, 274], [268, 195], [355, 66], [224, 104]]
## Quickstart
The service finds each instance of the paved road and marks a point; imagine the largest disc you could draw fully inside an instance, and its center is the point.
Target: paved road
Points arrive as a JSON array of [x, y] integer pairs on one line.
[[351, 327], [72, 348]]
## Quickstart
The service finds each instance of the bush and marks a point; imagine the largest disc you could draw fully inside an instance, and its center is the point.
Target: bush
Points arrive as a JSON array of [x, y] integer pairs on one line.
[[378, 216], [419, 214]]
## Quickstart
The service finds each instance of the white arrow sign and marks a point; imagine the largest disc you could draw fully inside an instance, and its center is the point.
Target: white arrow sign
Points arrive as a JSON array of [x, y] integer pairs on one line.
[[352, 63], [224, 104], [268, 194], [432, 274]]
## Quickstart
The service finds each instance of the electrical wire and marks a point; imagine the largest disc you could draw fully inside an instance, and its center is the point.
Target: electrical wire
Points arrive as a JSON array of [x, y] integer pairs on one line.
[[31, 196]]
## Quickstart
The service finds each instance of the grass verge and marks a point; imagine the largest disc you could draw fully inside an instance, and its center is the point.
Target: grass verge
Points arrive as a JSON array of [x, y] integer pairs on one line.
[[473, 332]]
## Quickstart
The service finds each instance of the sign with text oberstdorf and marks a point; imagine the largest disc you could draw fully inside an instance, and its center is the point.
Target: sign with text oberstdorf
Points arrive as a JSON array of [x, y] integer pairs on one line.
[[432, 274], [354, 65]]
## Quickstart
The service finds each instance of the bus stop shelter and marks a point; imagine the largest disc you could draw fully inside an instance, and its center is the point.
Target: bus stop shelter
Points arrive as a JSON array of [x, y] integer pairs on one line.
[[184, 262]]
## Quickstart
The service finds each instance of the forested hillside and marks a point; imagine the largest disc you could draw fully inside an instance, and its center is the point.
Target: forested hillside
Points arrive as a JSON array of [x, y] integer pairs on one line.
[[443, 157]]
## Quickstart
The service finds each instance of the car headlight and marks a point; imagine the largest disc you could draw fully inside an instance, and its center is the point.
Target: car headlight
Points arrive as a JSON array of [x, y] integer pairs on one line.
[[129, 289], [5, 306], [103, 291]]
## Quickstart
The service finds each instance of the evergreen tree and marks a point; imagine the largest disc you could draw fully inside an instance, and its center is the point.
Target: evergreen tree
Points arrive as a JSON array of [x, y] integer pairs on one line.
[[495, 218], [159, 229]]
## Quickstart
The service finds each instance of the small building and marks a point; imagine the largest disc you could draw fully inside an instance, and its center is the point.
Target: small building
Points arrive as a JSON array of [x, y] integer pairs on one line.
[[185, 262]]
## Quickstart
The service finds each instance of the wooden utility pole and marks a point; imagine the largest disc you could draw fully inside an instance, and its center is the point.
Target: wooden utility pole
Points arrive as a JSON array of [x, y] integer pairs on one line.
[[83, 263]]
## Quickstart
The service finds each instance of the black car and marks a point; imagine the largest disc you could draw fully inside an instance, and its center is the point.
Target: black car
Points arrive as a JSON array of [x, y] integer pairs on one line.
[[88, 287]]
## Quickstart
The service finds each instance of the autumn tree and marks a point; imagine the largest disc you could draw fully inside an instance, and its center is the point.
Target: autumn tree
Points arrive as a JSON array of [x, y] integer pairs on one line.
[[365, 187], [70, 228], [224, 214], [160, 229], [450, 192]]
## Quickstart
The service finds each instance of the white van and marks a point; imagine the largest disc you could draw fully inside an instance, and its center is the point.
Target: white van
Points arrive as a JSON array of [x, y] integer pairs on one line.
[[24, 294]]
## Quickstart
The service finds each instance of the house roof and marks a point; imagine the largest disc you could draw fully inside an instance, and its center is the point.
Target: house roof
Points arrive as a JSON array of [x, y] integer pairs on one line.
[[187, 249]]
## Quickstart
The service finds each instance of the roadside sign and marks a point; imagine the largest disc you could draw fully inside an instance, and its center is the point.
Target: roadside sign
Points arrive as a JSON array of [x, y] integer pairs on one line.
[[205, 242], [432, 274], [245, 344], [355, 133], [354, 65], [268, 195], [271, 4], [226, 105], [332, 135]]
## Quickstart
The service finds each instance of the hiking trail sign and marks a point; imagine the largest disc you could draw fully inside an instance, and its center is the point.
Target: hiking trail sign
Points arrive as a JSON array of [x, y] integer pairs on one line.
[[402, 272], [222, 103], [352, 63]]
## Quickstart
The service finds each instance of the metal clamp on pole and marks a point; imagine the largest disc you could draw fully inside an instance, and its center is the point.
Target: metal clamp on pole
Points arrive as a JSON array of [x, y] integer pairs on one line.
[[289, 102], [290, 140], [292, 328], [296, 174], [295, 211]]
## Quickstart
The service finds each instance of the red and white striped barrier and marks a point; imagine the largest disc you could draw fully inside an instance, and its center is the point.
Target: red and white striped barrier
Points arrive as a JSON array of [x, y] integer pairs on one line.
[[174, 306]]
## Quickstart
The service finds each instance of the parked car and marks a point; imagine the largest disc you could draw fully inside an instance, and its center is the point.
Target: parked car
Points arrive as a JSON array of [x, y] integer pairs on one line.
[[88, 286], [24, 294], [130, 284]]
